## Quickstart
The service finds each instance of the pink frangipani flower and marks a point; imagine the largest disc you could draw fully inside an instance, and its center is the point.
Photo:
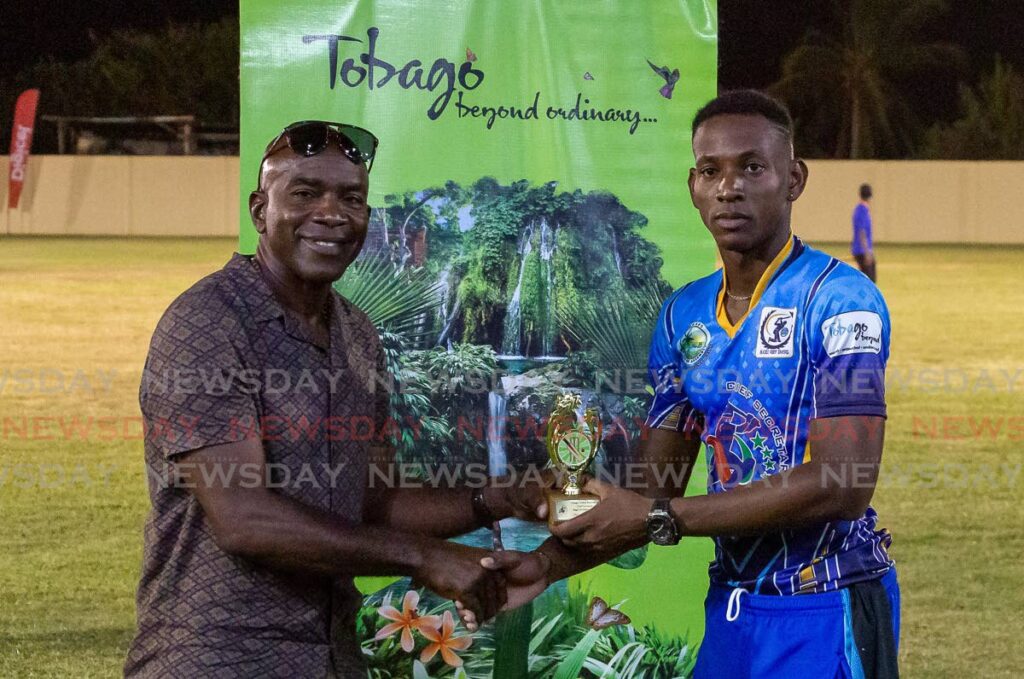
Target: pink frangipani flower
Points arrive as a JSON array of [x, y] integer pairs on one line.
[[406, 621], [444, 641]]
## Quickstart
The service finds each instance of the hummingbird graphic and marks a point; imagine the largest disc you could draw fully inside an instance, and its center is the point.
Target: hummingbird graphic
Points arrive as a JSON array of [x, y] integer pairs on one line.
[[670, 79]]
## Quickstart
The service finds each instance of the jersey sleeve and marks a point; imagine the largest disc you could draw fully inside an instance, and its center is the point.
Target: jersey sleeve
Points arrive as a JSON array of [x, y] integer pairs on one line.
[[670, 408], [849, 332]]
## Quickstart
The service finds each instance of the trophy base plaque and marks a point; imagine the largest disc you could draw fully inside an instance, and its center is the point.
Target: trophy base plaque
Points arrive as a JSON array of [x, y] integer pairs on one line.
[[562, 506]]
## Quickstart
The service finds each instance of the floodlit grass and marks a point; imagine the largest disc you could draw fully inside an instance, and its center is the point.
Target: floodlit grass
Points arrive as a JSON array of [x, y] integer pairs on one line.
[[72, 506], [75, 321]]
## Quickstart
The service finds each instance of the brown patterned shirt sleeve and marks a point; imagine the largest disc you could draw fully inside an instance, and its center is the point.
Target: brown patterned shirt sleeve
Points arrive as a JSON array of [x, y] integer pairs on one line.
[[196, 391]]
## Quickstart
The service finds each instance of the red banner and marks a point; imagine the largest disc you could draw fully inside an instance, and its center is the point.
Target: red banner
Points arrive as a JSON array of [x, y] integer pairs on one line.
[[21, 143]]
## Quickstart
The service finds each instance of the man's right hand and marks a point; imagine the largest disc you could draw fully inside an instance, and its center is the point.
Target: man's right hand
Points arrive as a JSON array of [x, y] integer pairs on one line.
[[526, 578], [454, 571]]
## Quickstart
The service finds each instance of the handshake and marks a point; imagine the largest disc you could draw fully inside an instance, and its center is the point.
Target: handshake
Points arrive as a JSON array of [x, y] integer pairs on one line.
[[485, 582]]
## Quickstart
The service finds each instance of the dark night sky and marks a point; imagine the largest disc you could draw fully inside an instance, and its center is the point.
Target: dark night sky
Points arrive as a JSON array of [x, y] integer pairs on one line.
[[30, 29], [754, 35]]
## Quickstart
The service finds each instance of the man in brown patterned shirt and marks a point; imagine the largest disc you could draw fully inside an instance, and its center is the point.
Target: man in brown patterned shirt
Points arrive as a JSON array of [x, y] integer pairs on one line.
[[257, 393]]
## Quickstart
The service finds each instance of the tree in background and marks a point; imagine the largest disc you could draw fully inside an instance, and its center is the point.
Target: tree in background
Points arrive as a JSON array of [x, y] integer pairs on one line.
[[849, 91], [180, 70], [992, 122]]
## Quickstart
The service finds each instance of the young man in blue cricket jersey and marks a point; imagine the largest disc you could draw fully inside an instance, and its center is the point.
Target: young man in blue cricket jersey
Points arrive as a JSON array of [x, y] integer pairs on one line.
[[774, 368]]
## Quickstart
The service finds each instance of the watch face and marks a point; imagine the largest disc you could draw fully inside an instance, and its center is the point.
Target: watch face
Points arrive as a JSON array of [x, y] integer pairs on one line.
[[661, 530]]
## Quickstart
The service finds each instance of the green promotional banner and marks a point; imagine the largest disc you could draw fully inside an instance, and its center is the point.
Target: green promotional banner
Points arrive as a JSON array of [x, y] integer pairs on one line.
[[530, 213]]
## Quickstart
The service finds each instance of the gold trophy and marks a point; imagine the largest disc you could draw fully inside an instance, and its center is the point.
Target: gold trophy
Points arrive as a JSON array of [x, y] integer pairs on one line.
[[573, 438]]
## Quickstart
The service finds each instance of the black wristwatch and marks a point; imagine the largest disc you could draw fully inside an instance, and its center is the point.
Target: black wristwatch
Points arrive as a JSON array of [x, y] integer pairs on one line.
[[661, 525]]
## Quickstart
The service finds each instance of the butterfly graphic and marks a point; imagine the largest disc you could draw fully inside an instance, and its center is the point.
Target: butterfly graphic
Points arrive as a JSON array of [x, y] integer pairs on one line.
[[587, 76], [670, 79], [470, 55], [601, 616]]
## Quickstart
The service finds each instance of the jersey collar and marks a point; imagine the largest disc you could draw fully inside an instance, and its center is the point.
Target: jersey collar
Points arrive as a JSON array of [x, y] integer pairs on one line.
[[723, 318]]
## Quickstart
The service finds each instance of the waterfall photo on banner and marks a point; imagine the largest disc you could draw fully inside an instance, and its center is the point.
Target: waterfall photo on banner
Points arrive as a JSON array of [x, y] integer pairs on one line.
[[529, 215]]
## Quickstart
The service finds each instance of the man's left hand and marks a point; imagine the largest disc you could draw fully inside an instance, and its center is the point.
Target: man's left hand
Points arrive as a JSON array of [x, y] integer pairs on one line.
[[618, 522]]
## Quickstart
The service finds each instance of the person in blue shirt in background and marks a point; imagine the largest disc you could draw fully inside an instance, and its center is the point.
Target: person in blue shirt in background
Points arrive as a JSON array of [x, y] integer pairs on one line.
[[861, 248]]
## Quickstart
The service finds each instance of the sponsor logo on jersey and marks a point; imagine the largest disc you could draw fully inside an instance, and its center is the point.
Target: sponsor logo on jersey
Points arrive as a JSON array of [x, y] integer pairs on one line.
[[694, 344], [854, 332], [775, 333]]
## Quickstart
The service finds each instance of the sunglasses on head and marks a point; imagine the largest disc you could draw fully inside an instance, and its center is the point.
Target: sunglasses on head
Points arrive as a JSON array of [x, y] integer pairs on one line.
[[310, 137]]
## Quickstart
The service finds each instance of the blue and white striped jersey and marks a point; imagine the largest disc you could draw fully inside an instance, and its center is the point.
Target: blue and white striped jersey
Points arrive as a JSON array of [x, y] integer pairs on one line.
[[813, 344]]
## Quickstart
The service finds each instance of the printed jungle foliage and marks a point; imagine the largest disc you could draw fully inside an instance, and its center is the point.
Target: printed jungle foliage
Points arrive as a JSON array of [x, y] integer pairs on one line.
[[396, 303], [432, 392], [457, 278], [559, 643], [421, 434], [459, 381], [512, 262], [394, 300], [619, 334], [397, 639]]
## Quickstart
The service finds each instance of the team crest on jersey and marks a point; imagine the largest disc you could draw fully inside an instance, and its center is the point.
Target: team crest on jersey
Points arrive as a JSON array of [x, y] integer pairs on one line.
[[741, 443], [775, 333], [694, 344]]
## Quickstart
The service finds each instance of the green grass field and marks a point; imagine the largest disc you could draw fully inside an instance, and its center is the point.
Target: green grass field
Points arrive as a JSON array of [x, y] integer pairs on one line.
[[75, 321]]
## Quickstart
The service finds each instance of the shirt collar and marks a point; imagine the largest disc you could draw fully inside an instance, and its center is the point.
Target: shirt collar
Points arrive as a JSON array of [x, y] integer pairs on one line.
[[262, 304], [762, 285]]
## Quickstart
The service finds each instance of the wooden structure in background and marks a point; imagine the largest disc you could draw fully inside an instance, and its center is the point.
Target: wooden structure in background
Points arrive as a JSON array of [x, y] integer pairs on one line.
[[181, 131]]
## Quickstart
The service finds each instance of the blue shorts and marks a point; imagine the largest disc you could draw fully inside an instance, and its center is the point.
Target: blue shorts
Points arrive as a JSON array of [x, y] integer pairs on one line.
[[851, 633]]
